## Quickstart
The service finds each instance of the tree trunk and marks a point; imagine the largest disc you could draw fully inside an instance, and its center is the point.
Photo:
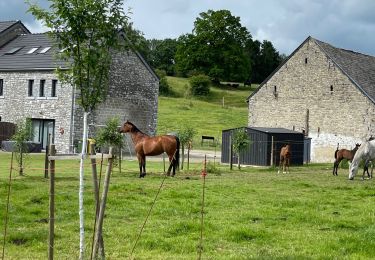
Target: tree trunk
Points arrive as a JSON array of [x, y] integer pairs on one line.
[[81, 188]]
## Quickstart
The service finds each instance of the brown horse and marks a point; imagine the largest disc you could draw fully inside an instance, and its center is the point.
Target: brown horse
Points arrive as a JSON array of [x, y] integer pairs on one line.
[[146, 145], [285, 154], [343, 154]]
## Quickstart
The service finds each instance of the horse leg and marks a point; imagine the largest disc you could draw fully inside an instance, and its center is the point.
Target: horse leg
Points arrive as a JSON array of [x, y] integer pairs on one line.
[[280, 164], [287, 165], [140, 165], [144, 166], [171, 165], [335, 166]]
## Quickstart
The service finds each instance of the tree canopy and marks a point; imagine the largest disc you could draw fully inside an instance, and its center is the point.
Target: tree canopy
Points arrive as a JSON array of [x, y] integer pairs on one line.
[[216, 47]]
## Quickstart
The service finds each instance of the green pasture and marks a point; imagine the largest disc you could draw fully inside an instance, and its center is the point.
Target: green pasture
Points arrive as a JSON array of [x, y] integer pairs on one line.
[[249, 214], [206, 115]]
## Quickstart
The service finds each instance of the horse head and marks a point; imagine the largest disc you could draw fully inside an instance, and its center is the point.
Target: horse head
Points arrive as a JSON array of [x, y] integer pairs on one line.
[[353, 170], [126, 127]]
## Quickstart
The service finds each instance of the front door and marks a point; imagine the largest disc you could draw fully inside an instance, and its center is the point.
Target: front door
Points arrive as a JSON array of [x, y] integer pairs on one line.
[[42, 130]]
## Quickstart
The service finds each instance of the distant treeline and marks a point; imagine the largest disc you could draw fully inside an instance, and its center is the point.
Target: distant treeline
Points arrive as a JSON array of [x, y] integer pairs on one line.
[[219, 47]]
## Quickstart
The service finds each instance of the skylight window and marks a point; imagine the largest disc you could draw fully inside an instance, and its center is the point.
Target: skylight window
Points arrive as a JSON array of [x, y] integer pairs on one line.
[[32, 50], [45, 50], [13, 50]]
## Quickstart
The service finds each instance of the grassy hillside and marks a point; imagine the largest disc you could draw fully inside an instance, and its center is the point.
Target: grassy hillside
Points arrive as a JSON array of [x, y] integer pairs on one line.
[[224, 108]]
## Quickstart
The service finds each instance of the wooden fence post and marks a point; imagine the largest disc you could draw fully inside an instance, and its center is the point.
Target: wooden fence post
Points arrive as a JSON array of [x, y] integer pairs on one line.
[[96, 194], [272, 150], [51, 204], [99, 225]]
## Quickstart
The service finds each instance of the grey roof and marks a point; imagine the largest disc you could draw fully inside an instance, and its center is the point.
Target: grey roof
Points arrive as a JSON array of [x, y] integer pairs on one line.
[[272, 130], [20, 60], [358, 67], [276, 130], [5, 25]]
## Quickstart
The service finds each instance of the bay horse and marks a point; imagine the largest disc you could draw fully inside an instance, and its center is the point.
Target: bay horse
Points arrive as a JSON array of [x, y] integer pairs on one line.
[[343, 154], [146, 145], [365, 152], [285, 154]]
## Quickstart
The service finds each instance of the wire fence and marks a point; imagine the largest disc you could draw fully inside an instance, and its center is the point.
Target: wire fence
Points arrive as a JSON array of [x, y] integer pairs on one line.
[[28, 201]]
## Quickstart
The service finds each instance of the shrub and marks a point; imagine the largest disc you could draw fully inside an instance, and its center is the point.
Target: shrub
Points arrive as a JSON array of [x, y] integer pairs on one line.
[[164, 88], [200, 85]]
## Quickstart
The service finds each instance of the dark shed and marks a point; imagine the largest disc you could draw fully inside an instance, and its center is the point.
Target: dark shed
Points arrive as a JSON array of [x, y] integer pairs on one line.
[[265, 146]]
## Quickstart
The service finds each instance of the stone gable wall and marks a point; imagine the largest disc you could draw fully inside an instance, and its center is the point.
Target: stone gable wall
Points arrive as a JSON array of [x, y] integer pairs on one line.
[[310, 83], [132, 95]]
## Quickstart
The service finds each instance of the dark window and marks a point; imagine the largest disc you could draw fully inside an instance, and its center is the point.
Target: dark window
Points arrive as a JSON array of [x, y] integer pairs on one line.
[[305, 60], [53, 89], [1, 87], [41, 87], [275, 91], [331, 88], [30, 88]]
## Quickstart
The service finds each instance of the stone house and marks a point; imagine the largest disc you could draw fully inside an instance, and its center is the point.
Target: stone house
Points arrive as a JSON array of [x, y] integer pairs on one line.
[[324, 91], [29, 88]]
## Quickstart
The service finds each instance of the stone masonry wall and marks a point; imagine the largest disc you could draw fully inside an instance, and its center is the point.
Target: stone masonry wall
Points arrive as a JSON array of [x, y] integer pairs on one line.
[[132, 95], [15, 105], [309, 85]]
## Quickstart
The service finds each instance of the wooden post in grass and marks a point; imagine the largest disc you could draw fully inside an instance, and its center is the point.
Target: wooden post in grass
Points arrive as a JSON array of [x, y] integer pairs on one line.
[[99, 224], [272, 151], [46, 158], [96, 194], [51, 204]]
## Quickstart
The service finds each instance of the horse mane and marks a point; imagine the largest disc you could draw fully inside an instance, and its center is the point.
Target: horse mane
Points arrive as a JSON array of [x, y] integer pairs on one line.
[[134, 127]]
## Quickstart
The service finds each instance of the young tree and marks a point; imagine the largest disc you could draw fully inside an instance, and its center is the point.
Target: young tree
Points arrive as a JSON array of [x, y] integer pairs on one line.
[[23, 134], [241, 142], [86, 32], [186, 135]]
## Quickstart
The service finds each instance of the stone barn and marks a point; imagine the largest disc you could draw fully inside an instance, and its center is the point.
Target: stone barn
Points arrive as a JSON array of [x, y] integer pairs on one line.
[[29, 88], [325, 92]]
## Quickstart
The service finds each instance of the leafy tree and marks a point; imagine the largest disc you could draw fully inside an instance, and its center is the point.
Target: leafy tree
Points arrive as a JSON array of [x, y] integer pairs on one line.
[[241, 142], [109, 135], [162, 53], [186, 135], [265, 60], [87, 32], [216, 47], [137, 41], [23, 134]]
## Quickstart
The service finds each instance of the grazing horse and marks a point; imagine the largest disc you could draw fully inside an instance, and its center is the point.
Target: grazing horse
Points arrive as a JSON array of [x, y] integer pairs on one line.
[[147, 145], [343, 154], [365, 152], [285, 154]]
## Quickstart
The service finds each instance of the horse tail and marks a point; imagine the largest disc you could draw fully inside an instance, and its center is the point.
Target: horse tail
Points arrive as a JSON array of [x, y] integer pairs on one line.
[[177, 154], [337, 150]]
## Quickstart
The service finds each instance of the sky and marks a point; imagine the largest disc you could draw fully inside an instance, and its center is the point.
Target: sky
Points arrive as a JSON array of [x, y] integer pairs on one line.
[[347, 24]]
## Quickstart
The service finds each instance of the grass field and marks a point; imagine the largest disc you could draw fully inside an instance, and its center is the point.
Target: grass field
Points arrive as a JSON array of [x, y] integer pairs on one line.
[[208, 115], [249, 214]]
